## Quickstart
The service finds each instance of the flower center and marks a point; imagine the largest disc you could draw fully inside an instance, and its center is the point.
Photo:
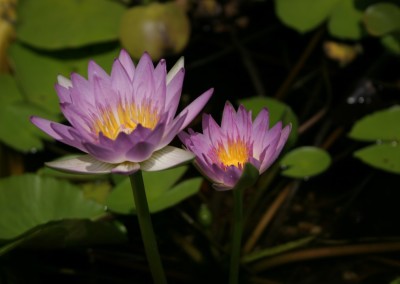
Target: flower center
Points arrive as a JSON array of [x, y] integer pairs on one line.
[[234, 153], [125, 118]]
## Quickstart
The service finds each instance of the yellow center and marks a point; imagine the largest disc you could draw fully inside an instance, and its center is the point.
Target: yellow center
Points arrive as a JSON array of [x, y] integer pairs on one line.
[[125, 119], [235, 153]]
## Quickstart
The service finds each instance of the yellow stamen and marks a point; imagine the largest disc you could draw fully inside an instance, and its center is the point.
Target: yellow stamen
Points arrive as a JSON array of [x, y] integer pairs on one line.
[[125, 119], [235, 153]]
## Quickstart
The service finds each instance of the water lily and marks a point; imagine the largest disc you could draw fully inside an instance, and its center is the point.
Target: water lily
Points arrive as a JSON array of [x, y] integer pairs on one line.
[[123, 121], [223, 151]]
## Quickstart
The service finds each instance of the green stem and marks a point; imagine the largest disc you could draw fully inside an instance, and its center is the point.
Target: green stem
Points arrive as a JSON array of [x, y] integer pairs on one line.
[[146, 228], [237, 235]]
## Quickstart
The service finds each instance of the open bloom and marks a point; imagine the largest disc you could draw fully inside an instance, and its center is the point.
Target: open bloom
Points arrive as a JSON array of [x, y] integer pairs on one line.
[[123, 121], [222, 151]]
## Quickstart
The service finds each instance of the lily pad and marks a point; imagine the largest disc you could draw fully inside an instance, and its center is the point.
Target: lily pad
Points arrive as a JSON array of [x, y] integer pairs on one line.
[[278, 111], [305, 162], [304, 15], [161, 29], [384, 156], [382, 125], [29, 201], [382, 18], [69, 233], [160, 191], [345, 21], [391, 42], [16, 131], [36, 75], [56, 24]]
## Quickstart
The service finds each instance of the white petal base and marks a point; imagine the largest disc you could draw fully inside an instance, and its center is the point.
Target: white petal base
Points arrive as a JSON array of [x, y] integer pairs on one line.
[[163, 159], [167, 157], [86, 164]]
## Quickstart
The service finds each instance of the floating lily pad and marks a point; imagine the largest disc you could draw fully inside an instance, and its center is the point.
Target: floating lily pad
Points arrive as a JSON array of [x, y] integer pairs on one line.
[[16, 131], [160, 190], [278, 111], [159, 28], [345, 21], [305, 162], [384, 156], [29, 201], [36, 74], [382, 125], [304, 15], [382, 18], [391, 42], [56, 24], [69, 233]]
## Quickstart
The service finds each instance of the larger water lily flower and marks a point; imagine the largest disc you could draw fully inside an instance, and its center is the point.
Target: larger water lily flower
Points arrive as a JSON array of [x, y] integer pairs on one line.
[[223, 151], [123, 121]]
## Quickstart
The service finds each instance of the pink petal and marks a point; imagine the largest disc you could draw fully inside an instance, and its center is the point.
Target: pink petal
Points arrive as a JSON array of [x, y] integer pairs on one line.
[[140, 151], [127, 63], [174, 91], [95, 71], [194, 108]]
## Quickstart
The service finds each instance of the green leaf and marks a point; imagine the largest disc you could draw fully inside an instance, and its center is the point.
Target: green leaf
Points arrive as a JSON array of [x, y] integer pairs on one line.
[[159, 190], [384, 156], [16, 130], [278, 111], [382, 125], [271, 251], [382, 18], [304, 15], [180, 192], [29, 201], [345, 21], [304, 162], [56, 24]]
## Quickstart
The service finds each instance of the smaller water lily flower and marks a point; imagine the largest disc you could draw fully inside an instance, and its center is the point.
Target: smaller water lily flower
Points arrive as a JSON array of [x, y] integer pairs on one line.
[[223, 151], [123, 121]]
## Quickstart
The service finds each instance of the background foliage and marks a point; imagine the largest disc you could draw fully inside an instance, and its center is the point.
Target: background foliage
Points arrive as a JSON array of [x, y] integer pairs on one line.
[[328, 67]]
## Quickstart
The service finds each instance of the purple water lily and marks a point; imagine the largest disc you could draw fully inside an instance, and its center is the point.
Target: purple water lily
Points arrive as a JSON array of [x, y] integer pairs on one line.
[[222, 151], [123, 121]]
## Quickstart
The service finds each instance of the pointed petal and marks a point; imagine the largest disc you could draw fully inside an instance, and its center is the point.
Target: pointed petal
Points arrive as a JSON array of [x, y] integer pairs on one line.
[[64, 82], [171, 132], [45, 126], [174, 91], [127, 63], [85, 164], [195, 107], [120, 80], [166, 158], [94, 70], [228, 116], [180, 64], [63, 93]]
